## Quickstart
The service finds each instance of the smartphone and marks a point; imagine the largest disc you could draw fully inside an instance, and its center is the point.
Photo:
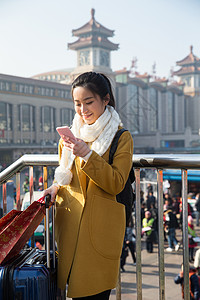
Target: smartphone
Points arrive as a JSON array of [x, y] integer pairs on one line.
[[66, 131]]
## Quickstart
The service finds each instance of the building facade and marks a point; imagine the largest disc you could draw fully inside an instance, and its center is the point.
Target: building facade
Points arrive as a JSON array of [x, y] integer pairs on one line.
[[162, 115], [30, 111], [159, 115]]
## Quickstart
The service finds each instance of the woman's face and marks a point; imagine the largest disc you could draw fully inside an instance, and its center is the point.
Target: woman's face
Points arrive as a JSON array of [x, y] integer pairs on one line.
[[88, 105]]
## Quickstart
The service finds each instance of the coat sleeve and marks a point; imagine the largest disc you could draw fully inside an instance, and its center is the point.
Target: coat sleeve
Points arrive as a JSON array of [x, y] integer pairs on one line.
[[111, 178]]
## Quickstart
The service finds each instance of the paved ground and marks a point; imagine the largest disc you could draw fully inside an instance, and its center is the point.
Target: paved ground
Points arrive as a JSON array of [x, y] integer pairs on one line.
[[150, 278]]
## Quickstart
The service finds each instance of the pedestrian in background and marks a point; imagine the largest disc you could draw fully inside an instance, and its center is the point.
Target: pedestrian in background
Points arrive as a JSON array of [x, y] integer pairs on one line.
[[191, 235], [151, 199], [25, 185], [170, 224], [197, 205], [149, 188], [193, 283], [154, 213], [147, 224]]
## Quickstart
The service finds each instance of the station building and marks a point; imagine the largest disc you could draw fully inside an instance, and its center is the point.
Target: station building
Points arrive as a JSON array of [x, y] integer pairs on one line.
[[161, 114]]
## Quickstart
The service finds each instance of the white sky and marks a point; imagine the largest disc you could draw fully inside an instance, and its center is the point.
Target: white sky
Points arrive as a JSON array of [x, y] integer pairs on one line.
[[34, 33]]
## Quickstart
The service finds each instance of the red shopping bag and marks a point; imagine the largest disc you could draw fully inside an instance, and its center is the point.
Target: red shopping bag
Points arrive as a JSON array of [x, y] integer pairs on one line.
[[17, 233], [7, 219]]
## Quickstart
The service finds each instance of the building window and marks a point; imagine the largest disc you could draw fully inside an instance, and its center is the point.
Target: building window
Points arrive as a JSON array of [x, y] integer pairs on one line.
[[9, 114], [104, 58], [47, 119], [153, 109], [51, 92], [84, 58], [67, 95], [31, 89], [26, 89], [171, 111], [187, 80], [2, 86], [8, 86], [132, 109], [21, 88], [26, 117], [66, 116], [5, 116]]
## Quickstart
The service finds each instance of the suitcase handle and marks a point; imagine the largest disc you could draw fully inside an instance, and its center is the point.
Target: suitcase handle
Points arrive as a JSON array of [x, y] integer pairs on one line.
[[47, 202]]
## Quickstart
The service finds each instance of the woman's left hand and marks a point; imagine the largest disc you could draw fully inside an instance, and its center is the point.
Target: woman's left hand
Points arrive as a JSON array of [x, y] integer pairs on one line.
[[78, 146]]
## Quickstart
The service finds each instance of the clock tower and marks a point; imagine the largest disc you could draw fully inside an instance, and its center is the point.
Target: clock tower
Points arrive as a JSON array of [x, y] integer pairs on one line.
[[93, 48]]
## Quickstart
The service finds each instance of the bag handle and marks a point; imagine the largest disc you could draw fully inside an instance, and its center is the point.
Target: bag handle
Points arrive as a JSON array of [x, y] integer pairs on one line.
[[48, 203]]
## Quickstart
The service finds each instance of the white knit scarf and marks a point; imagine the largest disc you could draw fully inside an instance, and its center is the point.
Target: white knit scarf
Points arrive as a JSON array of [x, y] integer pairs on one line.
[[100, 134]]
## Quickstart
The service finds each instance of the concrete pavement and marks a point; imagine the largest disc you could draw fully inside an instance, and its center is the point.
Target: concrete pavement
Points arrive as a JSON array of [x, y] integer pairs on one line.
[[150, 275]]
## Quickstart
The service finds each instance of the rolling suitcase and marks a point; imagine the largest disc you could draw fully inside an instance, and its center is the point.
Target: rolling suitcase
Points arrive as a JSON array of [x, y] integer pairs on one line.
[[31, 275]]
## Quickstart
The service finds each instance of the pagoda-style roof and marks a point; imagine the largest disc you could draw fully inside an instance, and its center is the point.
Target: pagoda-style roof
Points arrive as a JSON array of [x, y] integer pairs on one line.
[[93, 26], [93, 34], [189, 65], [93, 41], [187, 70], [191, 59]]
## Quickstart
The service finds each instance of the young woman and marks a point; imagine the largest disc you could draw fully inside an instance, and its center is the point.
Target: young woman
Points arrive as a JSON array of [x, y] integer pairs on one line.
[[90, 223]]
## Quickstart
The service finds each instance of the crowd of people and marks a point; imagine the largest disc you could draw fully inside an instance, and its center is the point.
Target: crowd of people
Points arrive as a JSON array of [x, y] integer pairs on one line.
[[172, 220]]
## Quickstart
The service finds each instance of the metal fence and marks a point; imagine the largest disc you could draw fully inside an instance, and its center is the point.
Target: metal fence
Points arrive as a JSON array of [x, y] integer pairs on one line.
[[158, 162]]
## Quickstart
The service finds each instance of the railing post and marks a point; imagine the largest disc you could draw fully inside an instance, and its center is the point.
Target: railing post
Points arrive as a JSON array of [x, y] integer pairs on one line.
[[118, 287], [45, 187], [4, 199], [161, 236], [18, 204], [138, 235], [31, 198], [185, 235], [45, 177], [31, 183]]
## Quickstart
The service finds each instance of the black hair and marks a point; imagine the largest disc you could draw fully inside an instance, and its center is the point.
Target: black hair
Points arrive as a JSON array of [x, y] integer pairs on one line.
[[97, 83]]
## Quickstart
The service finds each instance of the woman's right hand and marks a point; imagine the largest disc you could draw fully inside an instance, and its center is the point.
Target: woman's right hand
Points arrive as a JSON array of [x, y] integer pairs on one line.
[[52, 190]]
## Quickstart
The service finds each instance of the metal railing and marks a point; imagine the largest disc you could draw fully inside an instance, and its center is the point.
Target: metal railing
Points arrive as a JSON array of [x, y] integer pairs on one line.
[[158, 162]]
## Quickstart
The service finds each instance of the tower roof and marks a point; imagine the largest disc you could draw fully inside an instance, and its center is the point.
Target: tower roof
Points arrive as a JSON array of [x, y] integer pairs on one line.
[[189, 65], [93, 34], [93, 26], [190, 59]]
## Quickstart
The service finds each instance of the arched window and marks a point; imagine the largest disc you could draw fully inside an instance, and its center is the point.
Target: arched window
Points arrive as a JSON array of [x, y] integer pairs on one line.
[[26, 117], [66, 116], [5, 116], [47, 119]]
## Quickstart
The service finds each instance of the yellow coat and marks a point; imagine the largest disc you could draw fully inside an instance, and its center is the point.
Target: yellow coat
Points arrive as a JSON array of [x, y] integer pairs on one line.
[[90, 223]]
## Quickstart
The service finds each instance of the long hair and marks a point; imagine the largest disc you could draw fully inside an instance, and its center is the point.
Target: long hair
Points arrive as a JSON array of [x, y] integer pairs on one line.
[[97, 83]]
